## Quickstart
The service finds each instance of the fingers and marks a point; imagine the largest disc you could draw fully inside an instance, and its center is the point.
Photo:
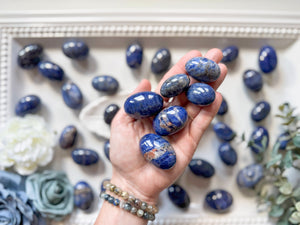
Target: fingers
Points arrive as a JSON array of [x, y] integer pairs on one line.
[[144, 85]]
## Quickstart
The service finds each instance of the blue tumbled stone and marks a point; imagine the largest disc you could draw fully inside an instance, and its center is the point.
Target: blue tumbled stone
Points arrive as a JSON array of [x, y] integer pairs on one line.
[[102, 186], [253, 80], [219, 200], [223, 131], [75, 49], [230, 53], [27, 104], [260, 139], [179, 196], [170, 120], [68, 137], [201, 94], [249, 176], [283, 140], [202, 168], [143, 104], [161, 61], [260, 111], [106, 84], [267, 59], [158, 151], [72, 95], [30, 56], [84, 156], [51, 70], [175, 85], [134, 55], [110, 112], [227, 154], [106, 149], [223, 107], [83, 195]]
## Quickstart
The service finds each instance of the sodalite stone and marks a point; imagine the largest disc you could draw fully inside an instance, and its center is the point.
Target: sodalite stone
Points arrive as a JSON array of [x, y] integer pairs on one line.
[[203, 69], [179, 196], [106, 149], [27, 104], [227, 154], [249, 176], [105, 83], [260, 111], [201, 94], [223, 107], [30, 56], [283, 140], [219, 200], [158, 151], [257, 136], [84, 156], [143, 104], [170, 120], [202, 168], [161, 61], [51, 70], [83, 195], [72, 95], [175, 85], [75, 49], [253, 80], [223, 131], [230, 53], [267, 59], [110, 112], [134, 55], [68, 137]]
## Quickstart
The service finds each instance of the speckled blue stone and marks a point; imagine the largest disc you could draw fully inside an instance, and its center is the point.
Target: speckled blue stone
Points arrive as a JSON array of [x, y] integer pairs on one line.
[[230, 53], [102, 187], [223, 107], [260, 111], [75, 49], [51, 70], [223, 131], [30, 56], [201, 94], [170, 120], [83, 195], [134, 55], [175, 85], [249, 176], [219, 200], [253, 80], [68, 137], [110, 112], [203, 69], [106, 84], [27, 104], [202, 168], [267, 59], [106, 149], [179, 196], [158, 151], [227, 154], [257, 137], [161, 61], [72, 95], [143, 104], [84, 156], [283, 140]]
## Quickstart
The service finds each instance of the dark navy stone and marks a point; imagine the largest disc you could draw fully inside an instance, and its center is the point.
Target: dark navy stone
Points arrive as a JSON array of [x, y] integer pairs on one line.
[[223, 107], [161, 61], [134, 55], [158, 151], [283, 140], [249, 176], [267, 59], [202, 168], [143, 104], [106, 149], [223, 131], [219, 200], [230, 53], [257, 137], [102, 187], [75, 49], [83, 195], [51, 70], [27, 104], [253, 80], [175, 85], [105, 83], [170, 120], [260, 111], [227, 154], [203, 69], [84, 156], [201, 94], [68, 137], [179, 196], [30, 56], [72, 95], [110, 112]]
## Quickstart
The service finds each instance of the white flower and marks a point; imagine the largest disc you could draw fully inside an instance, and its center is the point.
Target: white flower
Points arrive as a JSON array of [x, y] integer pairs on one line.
[[26, 143]]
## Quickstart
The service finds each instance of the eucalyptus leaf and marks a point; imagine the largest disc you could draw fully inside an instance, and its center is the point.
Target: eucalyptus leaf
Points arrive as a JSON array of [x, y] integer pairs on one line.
[[276, 211], [286, 189], [288, 160], [281, 199], [264, 142], [282, 222], [274, 160], [295, 218], [275, 149], [297, 205], [296, 192]]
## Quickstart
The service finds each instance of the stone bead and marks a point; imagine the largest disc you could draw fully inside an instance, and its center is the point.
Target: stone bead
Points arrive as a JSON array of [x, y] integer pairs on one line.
[[227, 154], [143, 104], [68, 137], [230, 53], [202, 168], [201, 94], [103, 184], [267, 59], [117, 191], [179, 196], [106, 149], [83, 195], [107, 186], [161, 61], [155, 209], [170, 120], [111, 199], [124, 195], [144, 205], [158, 151], [106, 196], [75, 49], [30, 56], [149, 209], [133, 210], [140, 213], [283, 140], [223, 131], [223, 107], [51, 70], [134, 55], [131, 198], [137, 203], [219, 200], [27, 104], [84, 156], [175, 85], [260, 111], [72, 95], [112, 187], [257, 137], [116, 202], [151, 217], [102, 195], [110, 112], [146, 216], [203, 69], [106, 84], [249, 176], [127, 207], [253, 80]]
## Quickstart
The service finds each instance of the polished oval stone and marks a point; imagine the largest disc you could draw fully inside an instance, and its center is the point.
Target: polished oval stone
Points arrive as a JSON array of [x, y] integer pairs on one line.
[[170, 120], [105, 83], [257, 137], [75, 49], [203, 69], [72, 95], [227, 154], [83, 195], [283, 140], [202, 168], [201, 94], [219, 200], [30, 56], [84, 156], [161, 61], [230, 53], [110, 112], [158, 151], [68, 137], [51, 70], [175, 85], [249, 176], [223, 131], [27, 104], [179, 196], [223, 107], [143, 104], [267, 59], [253, 80], [106, 149], [134, 55], [102, 186], [260, 111]]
